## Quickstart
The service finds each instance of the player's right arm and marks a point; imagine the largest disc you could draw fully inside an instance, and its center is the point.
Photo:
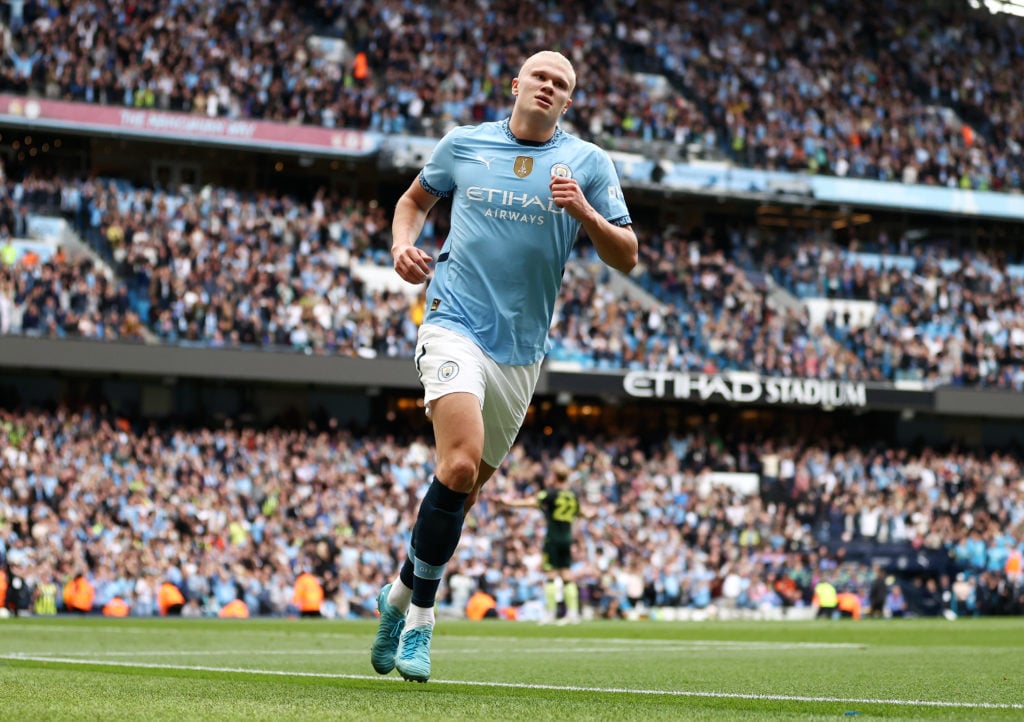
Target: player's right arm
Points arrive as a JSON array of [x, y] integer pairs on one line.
[[436, 180], [411, 263]]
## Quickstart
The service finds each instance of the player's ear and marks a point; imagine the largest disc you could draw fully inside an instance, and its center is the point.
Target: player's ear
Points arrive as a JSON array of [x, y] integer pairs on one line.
[[515, 86], [566, 107]]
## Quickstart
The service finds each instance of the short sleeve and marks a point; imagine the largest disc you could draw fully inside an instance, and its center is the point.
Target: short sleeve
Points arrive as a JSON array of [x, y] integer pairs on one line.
[[438, 175], [604, 192]]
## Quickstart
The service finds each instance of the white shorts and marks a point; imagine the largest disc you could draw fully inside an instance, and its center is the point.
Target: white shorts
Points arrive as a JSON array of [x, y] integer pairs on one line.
[[448, 363]]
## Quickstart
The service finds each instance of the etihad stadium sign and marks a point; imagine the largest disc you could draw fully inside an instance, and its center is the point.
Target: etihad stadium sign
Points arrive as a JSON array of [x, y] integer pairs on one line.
[[745, 388]]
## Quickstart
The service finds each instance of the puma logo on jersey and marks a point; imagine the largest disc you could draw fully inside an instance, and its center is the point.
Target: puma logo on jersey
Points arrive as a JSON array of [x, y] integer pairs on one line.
[[485, 161]]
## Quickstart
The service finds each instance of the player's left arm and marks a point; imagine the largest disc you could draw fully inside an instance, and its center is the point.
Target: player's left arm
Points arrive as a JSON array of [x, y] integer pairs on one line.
[[528, 502], [616, 245]]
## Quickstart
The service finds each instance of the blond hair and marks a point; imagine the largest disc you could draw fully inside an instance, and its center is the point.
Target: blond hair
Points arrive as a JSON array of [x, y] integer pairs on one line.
[[561, 470], [558, 58]]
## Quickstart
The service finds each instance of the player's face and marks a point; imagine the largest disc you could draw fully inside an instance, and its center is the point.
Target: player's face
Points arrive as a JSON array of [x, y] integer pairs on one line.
[[543, 87]]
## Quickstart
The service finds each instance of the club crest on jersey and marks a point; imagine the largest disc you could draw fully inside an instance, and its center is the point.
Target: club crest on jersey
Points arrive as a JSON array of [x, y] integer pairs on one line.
[[448, 371], [561, 170], [523, 166]]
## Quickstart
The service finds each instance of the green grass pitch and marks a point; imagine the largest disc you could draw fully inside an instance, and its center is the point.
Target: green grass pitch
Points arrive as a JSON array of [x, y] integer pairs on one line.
[[128, 669]]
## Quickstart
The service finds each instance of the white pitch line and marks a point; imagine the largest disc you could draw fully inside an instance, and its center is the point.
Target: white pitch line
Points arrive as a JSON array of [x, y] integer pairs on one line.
[[234, 631], [514, 685], [739, 645], [217, 653], [553, 649], [227, 627]]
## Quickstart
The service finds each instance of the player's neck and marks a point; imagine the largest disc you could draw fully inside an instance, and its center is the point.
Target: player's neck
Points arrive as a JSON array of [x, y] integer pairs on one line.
[[524, 130]]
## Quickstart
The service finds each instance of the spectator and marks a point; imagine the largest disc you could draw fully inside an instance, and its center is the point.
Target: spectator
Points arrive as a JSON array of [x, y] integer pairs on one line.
[[79, 593], [309, 595], [169, 600]]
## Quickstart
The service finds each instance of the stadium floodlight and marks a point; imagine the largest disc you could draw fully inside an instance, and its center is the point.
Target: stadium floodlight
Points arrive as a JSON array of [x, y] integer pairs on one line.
[[1010, 7]]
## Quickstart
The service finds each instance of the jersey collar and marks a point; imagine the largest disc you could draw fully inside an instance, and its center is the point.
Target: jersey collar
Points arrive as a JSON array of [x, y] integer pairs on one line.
[[511, 136]]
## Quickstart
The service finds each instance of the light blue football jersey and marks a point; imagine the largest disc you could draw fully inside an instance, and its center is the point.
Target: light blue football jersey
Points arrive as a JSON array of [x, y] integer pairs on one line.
[[500, 271]]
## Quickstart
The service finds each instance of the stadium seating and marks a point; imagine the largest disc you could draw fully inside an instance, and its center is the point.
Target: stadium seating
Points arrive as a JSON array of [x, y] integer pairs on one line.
[[307, 277], [148, 502], [746, 79]]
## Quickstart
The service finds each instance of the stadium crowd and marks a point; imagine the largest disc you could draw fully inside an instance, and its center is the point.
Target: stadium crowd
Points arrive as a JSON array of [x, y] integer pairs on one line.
[[419, 68], [217, 267], [904, 92], [868, 89], [211, 267], [939, 316], [240, 512], [942, 317]]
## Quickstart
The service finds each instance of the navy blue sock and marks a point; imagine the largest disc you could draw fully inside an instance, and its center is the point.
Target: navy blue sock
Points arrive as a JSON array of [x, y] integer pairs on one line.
[[406, 573], [435, 536]]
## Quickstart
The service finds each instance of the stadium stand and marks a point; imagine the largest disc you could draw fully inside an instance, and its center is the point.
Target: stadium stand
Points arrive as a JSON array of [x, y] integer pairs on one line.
[[834, 100], [238, 512], [748, 481], [298, 279]]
